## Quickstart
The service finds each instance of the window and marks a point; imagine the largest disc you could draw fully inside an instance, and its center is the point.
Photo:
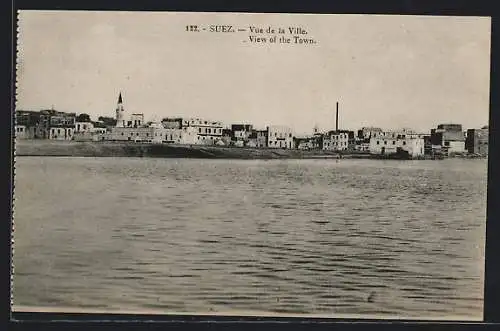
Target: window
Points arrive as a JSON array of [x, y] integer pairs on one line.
[[394, 142], [137, 134], [147, 134], [122, 133], [199, 130], [404, 142], [378, 142], [385, 142]]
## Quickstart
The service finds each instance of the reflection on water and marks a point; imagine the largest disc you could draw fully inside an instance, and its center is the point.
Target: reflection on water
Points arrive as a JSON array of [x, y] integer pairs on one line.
[[296, 236]]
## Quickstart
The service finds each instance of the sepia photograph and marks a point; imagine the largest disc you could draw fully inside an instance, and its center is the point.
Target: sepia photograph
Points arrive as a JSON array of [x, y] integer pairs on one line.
[[251, 164]]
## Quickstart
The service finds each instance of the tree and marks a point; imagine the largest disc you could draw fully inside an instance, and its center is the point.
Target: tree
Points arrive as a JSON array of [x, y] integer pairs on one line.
[[83, 118]]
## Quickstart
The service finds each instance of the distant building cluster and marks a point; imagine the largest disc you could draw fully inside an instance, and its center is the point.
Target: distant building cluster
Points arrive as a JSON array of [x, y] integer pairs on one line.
[[444, 140]]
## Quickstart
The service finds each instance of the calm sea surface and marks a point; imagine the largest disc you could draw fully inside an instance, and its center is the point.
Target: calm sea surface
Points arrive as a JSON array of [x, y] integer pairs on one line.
[[294, 236]]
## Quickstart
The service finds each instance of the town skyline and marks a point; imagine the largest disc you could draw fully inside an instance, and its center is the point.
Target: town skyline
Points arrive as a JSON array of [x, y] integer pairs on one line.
[[95, 118], [413, 72]]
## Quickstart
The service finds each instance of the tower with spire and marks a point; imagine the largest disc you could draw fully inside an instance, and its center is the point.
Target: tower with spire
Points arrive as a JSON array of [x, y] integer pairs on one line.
[[316, 129], [120, 113]]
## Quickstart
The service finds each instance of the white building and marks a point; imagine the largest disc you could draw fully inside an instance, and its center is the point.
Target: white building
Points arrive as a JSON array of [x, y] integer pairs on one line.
[[448, 139], [338, 141], [242, 134], [362, 141], [457, 147], [61, 133], [81, 127], [136, 120], [21, 132], [186, 135], [193, 130], [147, 134], [261, 140], [209, 132], [130, 130], [89, 133], [308, 142], [362, 145], [389, 142], [279, 137], [368, 132]]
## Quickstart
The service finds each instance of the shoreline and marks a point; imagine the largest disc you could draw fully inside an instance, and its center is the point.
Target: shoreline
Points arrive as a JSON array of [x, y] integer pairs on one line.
[[159, 313], [131, 149]]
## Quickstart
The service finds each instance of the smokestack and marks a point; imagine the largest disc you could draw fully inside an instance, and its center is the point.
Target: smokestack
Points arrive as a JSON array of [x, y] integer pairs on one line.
[[337, 118]]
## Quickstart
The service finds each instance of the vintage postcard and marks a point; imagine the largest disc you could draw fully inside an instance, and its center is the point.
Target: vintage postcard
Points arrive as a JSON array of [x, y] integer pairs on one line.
[[251, 164]]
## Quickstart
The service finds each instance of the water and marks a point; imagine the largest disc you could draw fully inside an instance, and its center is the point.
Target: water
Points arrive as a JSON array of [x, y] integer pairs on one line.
[[360, 237]]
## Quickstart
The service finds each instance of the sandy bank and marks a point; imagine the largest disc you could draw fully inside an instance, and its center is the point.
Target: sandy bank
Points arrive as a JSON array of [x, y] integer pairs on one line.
[[126, 149]]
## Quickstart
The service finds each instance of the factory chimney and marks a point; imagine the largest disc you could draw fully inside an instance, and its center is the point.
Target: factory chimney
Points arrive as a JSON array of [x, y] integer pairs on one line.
[[337, 118]]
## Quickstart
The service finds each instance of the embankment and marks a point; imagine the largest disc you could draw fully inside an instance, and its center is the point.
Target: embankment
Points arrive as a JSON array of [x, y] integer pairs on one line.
[[126, 149]]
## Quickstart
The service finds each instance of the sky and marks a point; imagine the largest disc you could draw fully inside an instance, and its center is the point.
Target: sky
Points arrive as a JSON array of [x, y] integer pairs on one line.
[[385, 71]]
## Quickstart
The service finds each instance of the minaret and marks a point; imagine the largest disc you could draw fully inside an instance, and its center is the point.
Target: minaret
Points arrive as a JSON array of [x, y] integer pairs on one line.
[[316, 129], [120, 121]]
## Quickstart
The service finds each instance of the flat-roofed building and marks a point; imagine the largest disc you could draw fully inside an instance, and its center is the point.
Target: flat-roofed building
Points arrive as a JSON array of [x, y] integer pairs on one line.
[[147, 134], [61, 132], [187, 135], [362, 140], [394, 141], [196, 130], [280, 137], [21, 132], [313, 142], [81, 127], [477, 141], [341, 140], [448, 139], [136, 120], [262, 136]]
